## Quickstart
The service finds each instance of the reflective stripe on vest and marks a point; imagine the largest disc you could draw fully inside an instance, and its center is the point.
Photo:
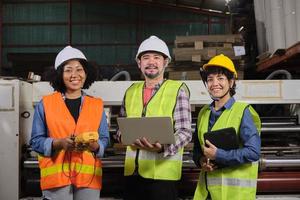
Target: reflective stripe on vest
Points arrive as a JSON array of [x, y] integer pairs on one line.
[[81, 169], [147, 155], [151, 164], [224, 183], [87, 169], [231, 182]]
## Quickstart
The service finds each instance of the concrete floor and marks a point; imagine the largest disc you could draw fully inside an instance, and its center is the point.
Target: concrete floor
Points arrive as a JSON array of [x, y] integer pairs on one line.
[[278, 197], [259, 197]]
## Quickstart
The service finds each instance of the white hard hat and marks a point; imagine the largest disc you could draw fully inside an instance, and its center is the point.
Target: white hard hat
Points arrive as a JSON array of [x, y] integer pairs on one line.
[[68, 53], [153, 43]]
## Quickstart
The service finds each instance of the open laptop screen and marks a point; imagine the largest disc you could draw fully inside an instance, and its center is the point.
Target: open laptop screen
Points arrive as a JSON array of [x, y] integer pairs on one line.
[[155, 129]]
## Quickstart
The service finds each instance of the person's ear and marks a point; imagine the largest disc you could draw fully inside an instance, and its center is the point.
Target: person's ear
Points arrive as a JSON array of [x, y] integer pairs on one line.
[[166, 62], [231, 82], [139, 63]]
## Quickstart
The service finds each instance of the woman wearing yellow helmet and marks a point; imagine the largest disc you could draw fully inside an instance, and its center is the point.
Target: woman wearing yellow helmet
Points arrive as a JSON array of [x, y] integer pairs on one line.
[[223, 172], [221, 68]]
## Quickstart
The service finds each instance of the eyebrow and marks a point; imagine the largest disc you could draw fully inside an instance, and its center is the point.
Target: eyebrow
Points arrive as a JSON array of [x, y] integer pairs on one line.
[[217, 74], [68, 66], [154, 54]]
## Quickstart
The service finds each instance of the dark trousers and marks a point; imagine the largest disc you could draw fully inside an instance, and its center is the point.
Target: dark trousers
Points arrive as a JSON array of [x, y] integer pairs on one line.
[[137, 188]]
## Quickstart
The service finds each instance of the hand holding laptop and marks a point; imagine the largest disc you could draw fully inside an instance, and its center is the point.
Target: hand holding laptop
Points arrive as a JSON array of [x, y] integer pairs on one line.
[[143, 143], [152, 129]]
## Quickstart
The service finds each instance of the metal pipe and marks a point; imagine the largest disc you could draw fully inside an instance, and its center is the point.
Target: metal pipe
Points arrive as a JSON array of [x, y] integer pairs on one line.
[[31, 164], [288, 152], [119, 74], [274, 151], [281, 71], [275, 163], [277, 123], [281, 129], [274, 182], [276, 127], [281, 162]]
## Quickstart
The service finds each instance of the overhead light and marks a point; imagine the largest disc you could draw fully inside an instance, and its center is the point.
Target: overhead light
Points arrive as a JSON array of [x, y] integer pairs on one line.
[[216, 11], [227, 10], [240, 29], [227, 2]]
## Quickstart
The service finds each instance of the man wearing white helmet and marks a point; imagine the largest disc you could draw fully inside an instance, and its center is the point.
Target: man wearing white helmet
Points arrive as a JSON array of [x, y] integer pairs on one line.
[[152, 170], [70, 170]]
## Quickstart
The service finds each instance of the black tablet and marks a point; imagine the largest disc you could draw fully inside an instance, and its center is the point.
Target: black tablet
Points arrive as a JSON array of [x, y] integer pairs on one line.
[[226, 138]]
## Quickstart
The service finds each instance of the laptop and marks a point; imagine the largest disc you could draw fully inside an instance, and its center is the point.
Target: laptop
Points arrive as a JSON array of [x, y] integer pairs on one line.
[[155, 129], [226, 138]]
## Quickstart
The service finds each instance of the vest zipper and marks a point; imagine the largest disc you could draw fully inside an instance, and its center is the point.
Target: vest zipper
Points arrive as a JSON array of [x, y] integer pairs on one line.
[[136, 160], [206, 187]]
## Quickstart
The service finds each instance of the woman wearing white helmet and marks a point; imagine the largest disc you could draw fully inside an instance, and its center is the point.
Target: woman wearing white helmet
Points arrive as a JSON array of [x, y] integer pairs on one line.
[[70, 169], [226, 173]]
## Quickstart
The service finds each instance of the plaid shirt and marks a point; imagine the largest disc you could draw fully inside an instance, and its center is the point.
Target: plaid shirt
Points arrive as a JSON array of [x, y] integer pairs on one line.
[[182, 119]]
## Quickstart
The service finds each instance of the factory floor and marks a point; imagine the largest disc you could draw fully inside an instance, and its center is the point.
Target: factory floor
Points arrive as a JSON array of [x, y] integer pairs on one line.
[[259, 197]]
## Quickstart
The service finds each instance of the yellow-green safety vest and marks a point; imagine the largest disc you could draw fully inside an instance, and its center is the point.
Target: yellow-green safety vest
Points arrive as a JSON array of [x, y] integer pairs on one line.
[[153, 165], [234, 183]]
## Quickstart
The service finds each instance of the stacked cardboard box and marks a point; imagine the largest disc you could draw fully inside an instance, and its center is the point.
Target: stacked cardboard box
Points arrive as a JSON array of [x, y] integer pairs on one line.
[[199, 49], [183, 71], [203, 47]]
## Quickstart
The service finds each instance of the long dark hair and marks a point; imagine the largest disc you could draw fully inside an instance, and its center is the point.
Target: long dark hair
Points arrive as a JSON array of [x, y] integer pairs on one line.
[[56, 76]]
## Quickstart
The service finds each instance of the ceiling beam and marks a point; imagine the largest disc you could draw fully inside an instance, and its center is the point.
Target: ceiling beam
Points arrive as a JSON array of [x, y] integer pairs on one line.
[[174, 6]]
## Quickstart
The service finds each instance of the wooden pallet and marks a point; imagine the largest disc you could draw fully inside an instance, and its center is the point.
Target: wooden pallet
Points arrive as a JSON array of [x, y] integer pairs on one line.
[[203, 47], [202, 41], [199, 55], [184, 75]]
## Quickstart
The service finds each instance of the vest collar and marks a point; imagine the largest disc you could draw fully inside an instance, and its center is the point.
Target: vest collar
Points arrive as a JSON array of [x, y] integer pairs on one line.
[[157, 86], [83, 94], [227, 105]]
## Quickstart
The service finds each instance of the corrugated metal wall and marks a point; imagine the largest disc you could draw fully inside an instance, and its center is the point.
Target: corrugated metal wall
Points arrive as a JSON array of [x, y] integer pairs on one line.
[[107, 32]]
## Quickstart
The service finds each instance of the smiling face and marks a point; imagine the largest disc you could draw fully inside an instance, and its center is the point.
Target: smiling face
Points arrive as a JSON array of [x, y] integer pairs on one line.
[[218, 86], [74, 76], [152, 65]]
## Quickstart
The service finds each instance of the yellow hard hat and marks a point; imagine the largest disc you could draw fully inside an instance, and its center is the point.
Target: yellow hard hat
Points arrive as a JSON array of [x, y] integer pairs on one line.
[[221, 61]]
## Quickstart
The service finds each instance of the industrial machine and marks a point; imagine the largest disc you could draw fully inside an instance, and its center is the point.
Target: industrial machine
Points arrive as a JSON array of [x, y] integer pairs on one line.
[[277, 101]]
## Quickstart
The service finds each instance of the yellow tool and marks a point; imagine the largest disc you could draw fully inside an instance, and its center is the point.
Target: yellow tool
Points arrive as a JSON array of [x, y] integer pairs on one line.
[[82, 140], [87, 137]]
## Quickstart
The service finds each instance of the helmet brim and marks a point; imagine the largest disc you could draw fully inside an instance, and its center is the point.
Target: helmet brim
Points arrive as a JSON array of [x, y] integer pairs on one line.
[[216, 65]]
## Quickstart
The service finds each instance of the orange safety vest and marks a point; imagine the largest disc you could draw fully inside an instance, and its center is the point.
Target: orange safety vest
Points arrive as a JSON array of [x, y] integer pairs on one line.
[[81, 169]]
